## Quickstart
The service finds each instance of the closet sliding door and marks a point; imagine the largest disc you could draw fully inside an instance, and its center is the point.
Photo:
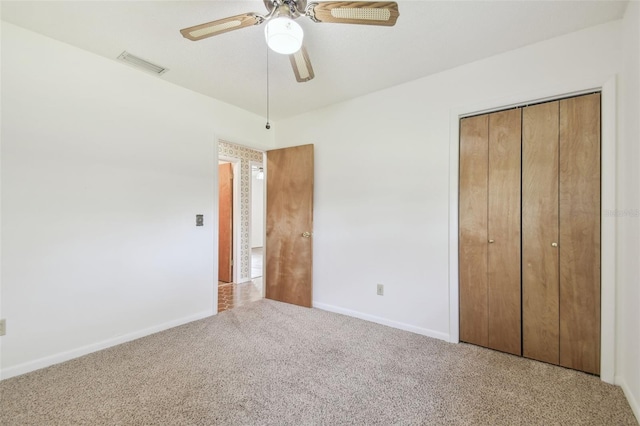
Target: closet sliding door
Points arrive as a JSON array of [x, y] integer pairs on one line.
[[504, 231], [473, 201], [580, 233], [489, 200], [530, 231], [561, 232], [540, 234]]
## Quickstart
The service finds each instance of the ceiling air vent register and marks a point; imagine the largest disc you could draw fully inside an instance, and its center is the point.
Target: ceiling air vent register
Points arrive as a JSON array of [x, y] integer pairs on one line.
[[141, 63]]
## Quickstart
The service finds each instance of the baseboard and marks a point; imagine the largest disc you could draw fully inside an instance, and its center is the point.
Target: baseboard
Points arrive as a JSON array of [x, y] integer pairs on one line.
[[383, 321], [631, 398], [47, 361]]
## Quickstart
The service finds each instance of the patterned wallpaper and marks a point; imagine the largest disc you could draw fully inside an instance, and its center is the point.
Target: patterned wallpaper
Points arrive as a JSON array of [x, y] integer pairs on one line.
[[245, 155]]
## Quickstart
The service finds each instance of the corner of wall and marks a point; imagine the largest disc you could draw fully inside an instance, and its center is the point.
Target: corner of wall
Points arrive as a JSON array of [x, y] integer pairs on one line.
[[631, 398]]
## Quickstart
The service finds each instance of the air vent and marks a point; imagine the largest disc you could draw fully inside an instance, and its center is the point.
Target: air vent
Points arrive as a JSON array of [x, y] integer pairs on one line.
[[141, 63]]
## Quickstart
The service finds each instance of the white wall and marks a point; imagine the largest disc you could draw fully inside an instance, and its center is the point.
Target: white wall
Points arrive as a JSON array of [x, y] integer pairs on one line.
[[257, 211], [104, 168], [628, 222], [382, 189]]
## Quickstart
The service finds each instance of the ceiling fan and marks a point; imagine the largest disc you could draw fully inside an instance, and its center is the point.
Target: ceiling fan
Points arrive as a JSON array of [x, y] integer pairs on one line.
[[284, 35]]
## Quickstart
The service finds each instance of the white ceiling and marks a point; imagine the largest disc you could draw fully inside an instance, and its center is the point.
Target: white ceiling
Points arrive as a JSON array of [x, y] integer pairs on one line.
[[349, 60]]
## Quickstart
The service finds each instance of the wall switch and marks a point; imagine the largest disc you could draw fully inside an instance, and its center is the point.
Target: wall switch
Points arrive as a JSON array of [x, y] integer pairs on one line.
[[199, 220], [3, 327], [380, 290]]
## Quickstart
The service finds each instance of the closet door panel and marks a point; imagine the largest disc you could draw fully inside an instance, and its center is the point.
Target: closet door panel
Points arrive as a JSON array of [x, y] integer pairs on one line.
[[540, 259], [504, 231], [473, 230], [580, 233]]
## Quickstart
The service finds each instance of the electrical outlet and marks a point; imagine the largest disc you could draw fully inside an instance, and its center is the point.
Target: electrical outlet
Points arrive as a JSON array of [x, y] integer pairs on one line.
[[3, 327], [380, 290]]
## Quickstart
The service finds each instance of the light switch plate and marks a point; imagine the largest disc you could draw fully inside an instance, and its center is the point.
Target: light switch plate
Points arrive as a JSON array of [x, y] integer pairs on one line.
[[199, 220]]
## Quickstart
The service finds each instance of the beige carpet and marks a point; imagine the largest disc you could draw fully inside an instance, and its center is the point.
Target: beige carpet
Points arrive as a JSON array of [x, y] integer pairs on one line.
[[273, 363]]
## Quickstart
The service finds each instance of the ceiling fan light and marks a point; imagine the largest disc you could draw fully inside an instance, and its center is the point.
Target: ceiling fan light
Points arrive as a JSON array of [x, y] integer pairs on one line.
[[283, 35]]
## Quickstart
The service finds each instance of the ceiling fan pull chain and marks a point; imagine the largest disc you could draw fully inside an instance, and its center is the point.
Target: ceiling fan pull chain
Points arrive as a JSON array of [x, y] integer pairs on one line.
[[268, 126]]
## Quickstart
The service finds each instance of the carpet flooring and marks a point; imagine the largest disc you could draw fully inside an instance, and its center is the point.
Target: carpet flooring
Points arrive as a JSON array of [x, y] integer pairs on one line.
[[269, 363]]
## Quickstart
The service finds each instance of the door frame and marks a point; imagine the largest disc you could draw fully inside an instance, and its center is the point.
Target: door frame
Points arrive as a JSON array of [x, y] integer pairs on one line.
[[264, 216], [235, 166], [608, 142]]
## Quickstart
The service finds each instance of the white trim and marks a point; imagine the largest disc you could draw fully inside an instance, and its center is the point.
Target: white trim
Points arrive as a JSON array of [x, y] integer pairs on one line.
[[631, 399], [394, 324], [264, 227], [608, 231], [537, 100], [244, 143], [454, 160], [576, 87], [258, 164], [237, 221], [94, 347], [264, 213], [215, 225]]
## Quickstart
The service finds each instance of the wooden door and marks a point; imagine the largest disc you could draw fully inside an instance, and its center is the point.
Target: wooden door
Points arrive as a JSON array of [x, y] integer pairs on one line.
[[503, 225], [225, 223], [580, 233], [489, 230], [289, 221], [540, 258], [472, 237]]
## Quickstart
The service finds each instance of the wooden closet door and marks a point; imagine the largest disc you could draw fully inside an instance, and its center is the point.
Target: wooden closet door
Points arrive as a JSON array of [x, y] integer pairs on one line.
[[540, 260], [504, 283], [472, 255], [580, 233]]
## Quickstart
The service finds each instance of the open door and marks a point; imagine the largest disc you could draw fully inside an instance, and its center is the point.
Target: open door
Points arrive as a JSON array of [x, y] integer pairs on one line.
[[225, 224], [289, 222]]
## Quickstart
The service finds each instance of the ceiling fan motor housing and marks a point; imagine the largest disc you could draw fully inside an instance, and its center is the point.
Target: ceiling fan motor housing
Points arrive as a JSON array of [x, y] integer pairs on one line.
[[297, 7]]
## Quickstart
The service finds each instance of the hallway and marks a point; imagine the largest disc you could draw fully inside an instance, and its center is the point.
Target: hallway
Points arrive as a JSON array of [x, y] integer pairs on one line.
[[232, 295]]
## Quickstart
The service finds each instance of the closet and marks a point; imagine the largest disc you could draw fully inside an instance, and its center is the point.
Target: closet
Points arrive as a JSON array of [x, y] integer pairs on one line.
[[529, 231]]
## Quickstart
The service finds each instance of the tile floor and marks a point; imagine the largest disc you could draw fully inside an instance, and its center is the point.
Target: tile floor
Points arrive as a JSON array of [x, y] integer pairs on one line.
[[232, 295]]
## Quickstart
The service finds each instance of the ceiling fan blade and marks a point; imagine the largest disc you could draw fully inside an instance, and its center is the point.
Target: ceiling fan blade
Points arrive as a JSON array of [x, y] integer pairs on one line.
[[220, 26], [301, 65], [356, 12]]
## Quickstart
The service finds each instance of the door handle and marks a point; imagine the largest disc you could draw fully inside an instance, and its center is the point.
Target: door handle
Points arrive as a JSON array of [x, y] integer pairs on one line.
[[306, 234], [554, 244], [491, 241]]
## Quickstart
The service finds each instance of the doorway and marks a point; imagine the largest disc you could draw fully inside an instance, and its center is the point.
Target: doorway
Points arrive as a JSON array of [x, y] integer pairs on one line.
[[287, 221], [248, 219]]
